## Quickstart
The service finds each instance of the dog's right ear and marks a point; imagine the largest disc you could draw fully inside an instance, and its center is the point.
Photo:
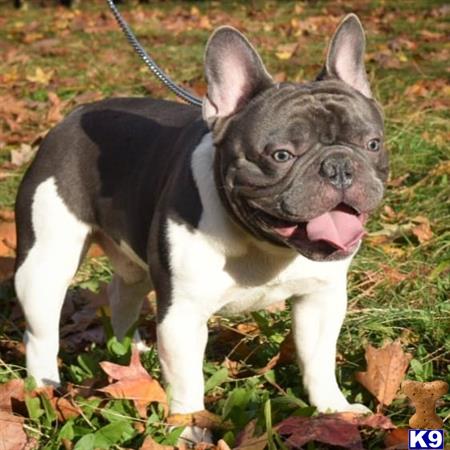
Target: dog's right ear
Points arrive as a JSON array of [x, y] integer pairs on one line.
[[234, 73]]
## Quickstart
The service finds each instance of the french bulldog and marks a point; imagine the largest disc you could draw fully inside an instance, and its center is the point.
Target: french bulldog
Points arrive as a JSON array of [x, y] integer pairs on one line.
[[260, 196]]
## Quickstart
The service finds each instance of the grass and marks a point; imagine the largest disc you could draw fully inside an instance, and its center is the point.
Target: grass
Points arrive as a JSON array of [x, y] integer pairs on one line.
[[398, 283]]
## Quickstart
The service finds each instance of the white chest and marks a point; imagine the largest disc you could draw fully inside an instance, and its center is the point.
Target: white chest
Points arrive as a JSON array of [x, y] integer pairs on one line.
[[205, 275]]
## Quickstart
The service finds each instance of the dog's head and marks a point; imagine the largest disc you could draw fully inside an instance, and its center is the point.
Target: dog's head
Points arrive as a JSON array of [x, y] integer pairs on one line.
[[300, 165]]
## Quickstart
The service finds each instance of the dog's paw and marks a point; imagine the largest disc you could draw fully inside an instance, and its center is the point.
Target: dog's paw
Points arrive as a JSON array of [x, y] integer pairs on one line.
[[194, 435], [357, 408], [343, 406]]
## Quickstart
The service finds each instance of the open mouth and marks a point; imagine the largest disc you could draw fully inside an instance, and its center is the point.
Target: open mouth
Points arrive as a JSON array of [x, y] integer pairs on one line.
[[339, 229]]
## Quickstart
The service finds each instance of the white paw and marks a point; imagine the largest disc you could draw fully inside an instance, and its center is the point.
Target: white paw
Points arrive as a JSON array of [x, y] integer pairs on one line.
[[193, 435], [357, 408], [344, 407]]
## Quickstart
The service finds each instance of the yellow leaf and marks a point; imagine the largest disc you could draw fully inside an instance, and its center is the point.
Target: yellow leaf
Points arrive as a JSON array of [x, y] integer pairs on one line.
[[41, 77], [286, 51]]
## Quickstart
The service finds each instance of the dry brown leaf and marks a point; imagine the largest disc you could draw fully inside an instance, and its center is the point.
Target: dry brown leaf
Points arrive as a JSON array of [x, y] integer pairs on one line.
[[13, 389], [134, 383], [55, 114], [392, 274], [246, 439], [325, 428], [255, 443], [288, 351], [65, 408], [12, 435], [7, 265], [13, 111], [7, 238], [202, 419], [150, 444], [432, 35], [222, 445], [276, 307], [396, 439], [386, 368], [377, 421], [422, 231], [7, 215]]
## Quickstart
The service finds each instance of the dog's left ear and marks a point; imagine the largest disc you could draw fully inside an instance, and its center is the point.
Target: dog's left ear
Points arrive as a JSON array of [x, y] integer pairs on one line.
[[345, 58], [234, 72]]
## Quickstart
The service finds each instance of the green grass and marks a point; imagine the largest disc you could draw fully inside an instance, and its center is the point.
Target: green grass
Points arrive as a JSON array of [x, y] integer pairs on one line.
[[398, 286]]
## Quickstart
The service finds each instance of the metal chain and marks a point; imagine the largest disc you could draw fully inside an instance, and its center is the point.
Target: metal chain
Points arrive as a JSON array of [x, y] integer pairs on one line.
[[150, 62]]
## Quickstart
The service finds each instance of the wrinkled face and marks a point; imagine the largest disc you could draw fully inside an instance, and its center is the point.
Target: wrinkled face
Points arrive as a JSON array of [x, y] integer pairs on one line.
[[304, 166], [297, 165]]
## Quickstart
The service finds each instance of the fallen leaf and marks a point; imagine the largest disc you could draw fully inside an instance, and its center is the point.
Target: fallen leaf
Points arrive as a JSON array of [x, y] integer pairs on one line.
[[222, 445], [40, 76], [288, 350], [150, 444], [286, 51], [432, 35], [325, 428], [386, 368], [202, 419], [22, 155], [7, 265], [54, 114], [7, 238], [276, 307], [396, 439], [377, 421], [422, 231], [80, 322], [280, 77], [246, 439], [12, 436], [134, 383], [14, 389], [14, 111], [65, 408], [7, 215], [392, 274]]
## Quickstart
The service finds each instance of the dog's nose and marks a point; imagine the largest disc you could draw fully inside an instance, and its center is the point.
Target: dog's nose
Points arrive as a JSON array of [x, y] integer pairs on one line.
[[338, 170]]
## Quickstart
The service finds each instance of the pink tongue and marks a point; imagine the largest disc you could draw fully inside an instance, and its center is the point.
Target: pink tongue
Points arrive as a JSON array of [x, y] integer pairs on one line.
[[338, 228]]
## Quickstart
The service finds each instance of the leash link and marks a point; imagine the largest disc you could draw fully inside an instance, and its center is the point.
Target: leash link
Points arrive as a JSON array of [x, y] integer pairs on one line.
[[184, 94]]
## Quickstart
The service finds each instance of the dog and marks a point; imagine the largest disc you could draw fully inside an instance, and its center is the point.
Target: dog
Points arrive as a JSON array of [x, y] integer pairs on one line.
[[261, 195]]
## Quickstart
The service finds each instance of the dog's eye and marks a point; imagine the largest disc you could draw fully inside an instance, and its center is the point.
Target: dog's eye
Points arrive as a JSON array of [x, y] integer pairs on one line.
[[282, 156], [374, 145]]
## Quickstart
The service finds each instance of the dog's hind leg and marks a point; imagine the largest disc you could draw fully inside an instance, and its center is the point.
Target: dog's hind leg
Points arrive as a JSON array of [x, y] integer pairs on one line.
[[125, 300], [51, 245], [128, 288]]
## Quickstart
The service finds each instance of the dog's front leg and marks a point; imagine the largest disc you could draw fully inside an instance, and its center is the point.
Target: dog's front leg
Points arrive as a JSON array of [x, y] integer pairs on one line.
[[317, 320], [182, 337]]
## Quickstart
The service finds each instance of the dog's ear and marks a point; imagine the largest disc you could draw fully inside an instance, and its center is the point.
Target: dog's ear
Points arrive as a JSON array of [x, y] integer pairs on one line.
[[345, 58], [234, 73]]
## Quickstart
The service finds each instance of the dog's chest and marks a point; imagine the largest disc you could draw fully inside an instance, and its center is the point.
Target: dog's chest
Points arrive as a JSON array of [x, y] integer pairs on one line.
[[206, 274]]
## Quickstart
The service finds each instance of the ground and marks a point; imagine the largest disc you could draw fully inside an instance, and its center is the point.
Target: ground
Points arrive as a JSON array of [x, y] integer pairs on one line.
[[56, 58]]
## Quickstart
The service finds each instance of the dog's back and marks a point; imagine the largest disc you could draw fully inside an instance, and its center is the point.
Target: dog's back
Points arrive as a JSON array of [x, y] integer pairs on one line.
[[96, 156]]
